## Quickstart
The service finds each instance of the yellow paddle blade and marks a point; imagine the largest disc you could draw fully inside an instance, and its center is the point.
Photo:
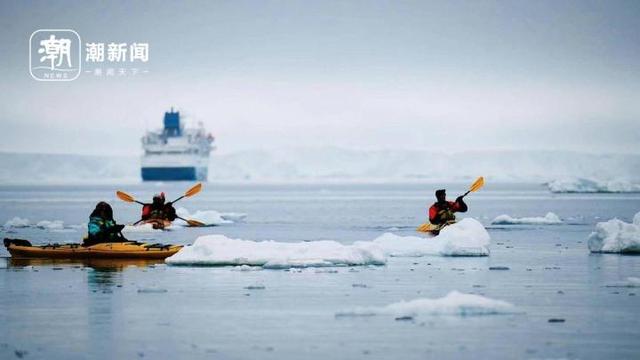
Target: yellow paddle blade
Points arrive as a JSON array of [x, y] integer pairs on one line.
[[195, 223], [125, 197], [477, 184], [194, 190]]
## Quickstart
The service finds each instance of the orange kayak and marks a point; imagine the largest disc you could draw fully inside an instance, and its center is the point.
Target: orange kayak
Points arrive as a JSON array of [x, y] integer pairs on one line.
[[117, 250]]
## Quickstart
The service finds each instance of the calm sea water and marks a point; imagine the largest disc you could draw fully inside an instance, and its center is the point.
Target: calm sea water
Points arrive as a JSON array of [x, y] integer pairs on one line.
[[148, 310]]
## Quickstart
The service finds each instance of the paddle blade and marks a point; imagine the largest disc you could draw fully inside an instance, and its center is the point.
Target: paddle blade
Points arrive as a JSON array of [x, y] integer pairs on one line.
[[125, 197], [195, 223], [194, 190], [477, 184]]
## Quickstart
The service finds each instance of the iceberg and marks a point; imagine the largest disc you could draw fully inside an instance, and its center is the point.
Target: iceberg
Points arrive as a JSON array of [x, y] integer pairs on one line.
[[454, 303], [584, 185], [549, 219], [219, 250], [465, 238], [616, 236]]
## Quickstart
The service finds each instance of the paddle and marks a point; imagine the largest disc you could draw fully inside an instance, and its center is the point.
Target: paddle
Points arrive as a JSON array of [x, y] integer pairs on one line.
[[127, 198], [479, 183], [194, 190], [192, 222]]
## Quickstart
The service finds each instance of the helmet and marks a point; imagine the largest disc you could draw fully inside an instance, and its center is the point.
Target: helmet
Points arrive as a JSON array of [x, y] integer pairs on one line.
[[441, 194]]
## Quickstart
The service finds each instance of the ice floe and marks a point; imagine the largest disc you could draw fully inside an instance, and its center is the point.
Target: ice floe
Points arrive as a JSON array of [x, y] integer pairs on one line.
[[50, 225], [549, 219], [208, 217], [454, 303], [233, 216], [142, 228], [220, 250], [584, 185], [466, 238], [616, 236], [17, 222]]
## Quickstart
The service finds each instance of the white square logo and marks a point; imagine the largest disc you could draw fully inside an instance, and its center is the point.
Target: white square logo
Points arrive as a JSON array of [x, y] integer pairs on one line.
[[55, 55]]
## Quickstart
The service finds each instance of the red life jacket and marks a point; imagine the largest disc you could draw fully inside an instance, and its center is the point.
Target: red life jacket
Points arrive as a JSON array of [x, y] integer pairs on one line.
[[454, 206]]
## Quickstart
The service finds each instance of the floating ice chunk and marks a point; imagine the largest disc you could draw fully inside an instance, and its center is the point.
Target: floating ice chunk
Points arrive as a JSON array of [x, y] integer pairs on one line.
[[616, 236], [218, 250], [152, 290], [50, 225], [631, 282], [582, 185], [549, 219], [454, 303], [465, 238], [17, 222], [208, 217], [142, 228], [246, 268], [232, 216]]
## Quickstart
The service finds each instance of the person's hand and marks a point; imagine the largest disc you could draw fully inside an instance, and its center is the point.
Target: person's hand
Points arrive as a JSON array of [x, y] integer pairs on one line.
[[459, 198]]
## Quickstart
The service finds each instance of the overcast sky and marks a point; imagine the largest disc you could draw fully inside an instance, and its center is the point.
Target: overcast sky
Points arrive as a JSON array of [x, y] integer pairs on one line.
[[371, 74]]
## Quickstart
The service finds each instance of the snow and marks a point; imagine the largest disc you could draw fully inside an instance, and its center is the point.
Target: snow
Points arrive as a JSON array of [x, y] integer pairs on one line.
[[454, 303], [208, 217], [221, 250], [549, 219], [616, 236], [50, 225], [466, 238], [585, 185], [17, 222]]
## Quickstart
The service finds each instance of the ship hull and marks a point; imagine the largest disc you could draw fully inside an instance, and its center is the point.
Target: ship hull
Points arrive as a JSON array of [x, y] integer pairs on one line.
[[184, 173]]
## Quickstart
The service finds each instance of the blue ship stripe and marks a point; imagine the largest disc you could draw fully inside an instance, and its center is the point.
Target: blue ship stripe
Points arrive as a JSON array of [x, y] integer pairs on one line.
[[172, 174]]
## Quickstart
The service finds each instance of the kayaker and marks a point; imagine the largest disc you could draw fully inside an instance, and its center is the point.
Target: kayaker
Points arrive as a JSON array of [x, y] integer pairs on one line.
[[158, 209], [442, 211], [102, 227]]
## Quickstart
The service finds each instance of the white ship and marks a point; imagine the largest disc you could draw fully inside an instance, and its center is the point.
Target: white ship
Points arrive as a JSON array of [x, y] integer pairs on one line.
[[176, 152]]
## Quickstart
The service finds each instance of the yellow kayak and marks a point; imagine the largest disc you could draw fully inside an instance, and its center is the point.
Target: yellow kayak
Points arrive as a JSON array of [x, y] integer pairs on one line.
[[117, 250]]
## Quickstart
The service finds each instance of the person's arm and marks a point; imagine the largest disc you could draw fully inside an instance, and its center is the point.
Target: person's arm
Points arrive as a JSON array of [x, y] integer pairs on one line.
[[459, 205], [146, 211], [93, 228], [170, 211]]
